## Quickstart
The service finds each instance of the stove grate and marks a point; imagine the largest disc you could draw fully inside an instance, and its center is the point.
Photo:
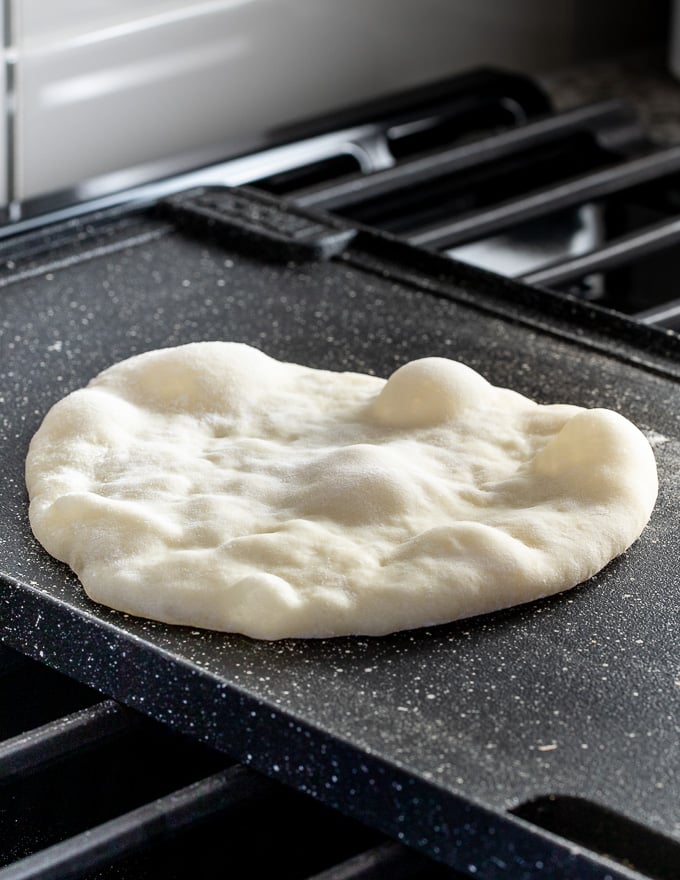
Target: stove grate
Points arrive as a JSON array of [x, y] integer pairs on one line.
[[50, 828]]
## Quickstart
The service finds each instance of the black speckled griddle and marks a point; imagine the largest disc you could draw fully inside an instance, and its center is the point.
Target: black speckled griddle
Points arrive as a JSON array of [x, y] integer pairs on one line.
[[559, 710]]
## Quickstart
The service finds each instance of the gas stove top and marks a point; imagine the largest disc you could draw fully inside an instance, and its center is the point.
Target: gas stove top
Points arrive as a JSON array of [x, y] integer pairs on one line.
[[481, 168], [583, 208]]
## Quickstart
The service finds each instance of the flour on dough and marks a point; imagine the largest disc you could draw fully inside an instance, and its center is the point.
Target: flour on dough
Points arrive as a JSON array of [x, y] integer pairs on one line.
[[214, 486]]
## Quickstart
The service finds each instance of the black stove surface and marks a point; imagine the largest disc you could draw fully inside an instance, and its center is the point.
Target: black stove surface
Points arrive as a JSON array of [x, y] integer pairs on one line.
[[455, 740], [536, 742]]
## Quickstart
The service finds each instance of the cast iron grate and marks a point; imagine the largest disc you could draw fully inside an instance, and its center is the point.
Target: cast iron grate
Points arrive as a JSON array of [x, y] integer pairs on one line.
[[580, 202], [91, 789]]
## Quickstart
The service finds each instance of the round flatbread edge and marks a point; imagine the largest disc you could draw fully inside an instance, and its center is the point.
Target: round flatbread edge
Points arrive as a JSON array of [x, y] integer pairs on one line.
[[213, 486]]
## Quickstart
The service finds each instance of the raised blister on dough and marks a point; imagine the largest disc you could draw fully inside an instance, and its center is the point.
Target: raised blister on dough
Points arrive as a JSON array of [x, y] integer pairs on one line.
[[428, 392], [213, 486]]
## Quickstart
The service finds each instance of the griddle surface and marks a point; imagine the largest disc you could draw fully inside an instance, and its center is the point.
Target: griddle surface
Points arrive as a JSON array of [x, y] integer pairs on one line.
[[434, 734]]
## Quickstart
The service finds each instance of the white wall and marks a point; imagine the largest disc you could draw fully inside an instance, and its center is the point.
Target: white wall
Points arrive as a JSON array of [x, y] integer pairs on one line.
[[104, 85]]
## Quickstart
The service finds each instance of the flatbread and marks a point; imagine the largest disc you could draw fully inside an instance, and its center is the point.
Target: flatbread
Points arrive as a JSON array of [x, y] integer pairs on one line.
[[213, 486]]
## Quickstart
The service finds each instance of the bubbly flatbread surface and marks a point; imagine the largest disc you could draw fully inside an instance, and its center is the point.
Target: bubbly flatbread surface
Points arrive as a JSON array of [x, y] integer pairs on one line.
[[213, 486]]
